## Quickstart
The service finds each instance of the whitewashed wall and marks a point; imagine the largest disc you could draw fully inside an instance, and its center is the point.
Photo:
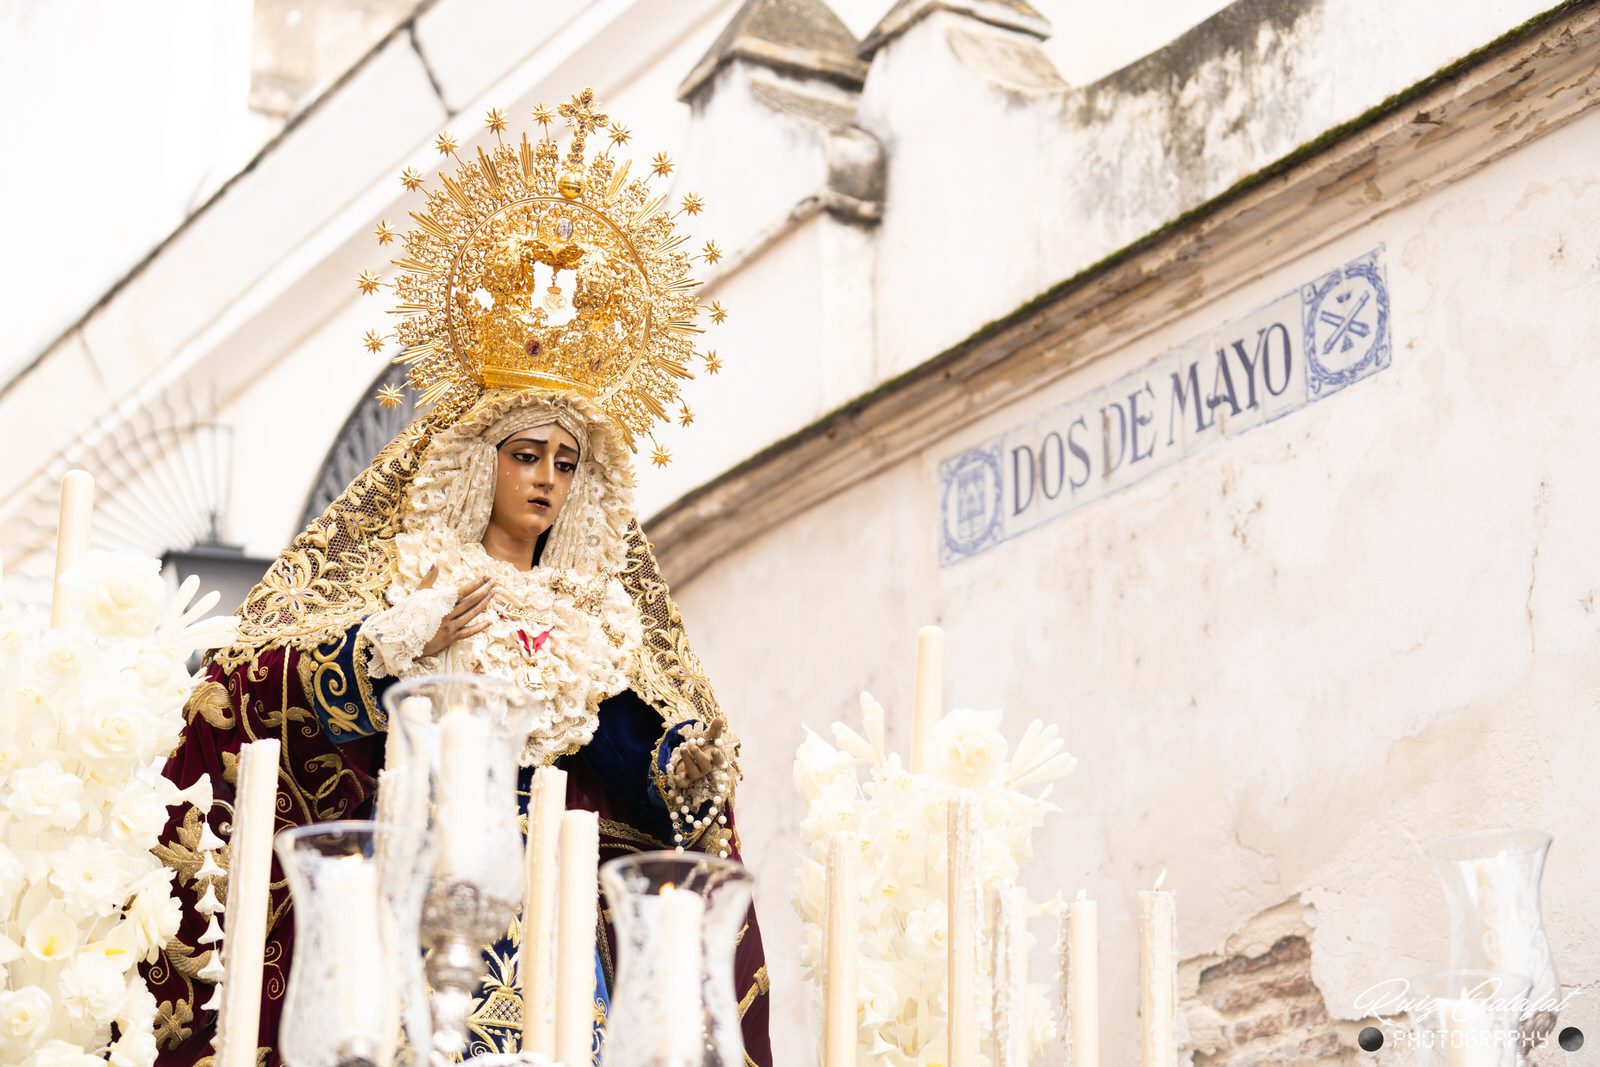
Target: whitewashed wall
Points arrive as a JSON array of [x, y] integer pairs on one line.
[[1284, 662]]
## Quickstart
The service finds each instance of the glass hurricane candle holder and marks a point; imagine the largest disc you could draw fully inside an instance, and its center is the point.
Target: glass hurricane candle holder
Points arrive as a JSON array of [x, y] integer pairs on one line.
[[1491, 883], [1467, 1018], [677, 917], [453, 778], [355, 997]]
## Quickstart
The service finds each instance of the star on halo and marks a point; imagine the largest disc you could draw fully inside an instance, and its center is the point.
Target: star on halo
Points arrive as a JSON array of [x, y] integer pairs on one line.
[[411, 178], [713, 364], [367, 282], [685, 417], [373, 342], [445, 144], [383, 232], [390, 397], [693, 203], [719, 314], [495, 120], [661, 164], [620, 134], [660, 457], [712, 253], [543, 115]]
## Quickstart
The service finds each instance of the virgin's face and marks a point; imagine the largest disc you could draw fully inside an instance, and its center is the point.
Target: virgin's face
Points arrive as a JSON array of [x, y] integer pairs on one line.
[[534, 477]]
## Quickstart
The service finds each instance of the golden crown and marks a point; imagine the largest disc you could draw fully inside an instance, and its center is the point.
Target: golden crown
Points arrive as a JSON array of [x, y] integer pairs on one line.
[[533, 269]]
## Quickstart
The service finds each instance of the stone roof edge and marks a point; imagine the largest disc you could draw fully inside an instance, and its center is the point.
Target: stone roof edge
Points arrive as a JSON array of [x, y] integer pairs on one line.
[[903, 16], [847, 72], [790, 475]]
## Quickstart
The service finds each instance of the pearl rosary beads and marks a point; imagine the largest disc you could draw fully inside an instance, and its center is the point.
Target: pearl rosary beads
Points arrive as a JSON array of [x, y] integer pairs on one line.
[[709, 792]]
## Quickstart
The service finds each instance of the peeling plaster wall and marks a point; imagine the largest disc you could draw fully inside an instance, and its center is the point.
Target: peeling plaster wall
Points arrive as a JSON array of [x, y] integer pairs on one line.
[[1286, 662]]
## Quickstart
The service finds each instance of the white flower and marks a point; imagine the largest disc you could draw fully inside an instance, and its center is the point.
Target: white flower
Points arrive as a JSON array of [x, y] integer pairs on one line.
[[49, 935], [45, 796], [139, 812], [138, 1010], [90, 876], [154, 916], [110, 724], [820, 769], [64, 655], [827, 816], [135, 1048], [62, 1054], [118, 594], [926, 929], [93, 988], [966, 748], [24, 1018]]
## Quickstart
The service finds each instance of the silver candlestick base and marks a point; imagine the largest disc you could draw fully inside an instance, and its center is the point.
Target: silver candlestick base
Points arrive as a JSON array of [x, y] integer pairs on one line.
[[458, 921]]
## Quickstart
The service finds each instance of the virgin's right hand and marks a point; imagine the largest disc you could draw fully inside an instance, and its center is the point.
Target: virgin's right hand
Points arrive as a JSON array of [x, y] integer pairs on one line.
[[463, 620]]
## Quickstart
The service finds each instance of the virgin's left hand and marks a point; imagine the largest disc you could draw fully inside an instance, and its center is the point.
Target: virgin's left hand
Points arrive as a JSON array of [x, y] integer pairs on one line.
[[697, 755]]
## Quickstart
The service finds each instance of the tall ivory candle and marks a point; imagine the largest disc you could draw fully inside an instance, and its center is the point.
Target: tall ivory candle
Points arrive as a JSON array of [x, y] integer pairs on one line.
[[249, 874], [1158, 971], [464, 740], [843, 909], [1082, 970], [928, 698], [580, 861], [72, 536], [962, 937], [1010, 971], [366, 1022], [546, 804], [682, 1021]]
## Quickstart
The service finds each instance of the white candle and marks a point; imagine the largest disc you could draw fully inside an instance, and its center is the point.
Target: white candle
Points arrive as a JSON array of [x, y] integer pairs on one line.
[[843, 912], [682, 1012], [962, 937], [1158, 972], [1082, 970], [72, 536], [1467, 1037], [547, 802], [928, 699], [367, 1024], [580, 861], [1010, 971], [249, 875], [464, 740]]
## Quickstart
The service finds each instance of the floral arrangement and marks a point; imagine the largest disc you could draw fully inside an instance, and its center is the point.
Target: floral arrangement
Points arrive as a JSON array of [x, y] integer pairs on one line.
[[901, 820], [88, 712]]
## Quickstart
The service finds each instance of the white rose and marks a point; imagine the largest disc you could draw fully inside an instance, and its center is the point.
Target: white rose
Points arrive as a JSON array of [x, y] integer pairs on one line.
[[135, 1048], [163, 676], [110, 725], [118, 594], [24, 1018], [62, 1054], [45, 796], [966, 748], [64, 654], [93, 988]]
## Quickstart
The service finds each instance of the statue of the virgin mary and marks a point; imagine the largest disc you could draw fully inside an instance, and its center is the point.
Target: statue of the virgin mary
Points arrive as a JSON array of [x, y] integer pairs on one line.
[[547, 318]]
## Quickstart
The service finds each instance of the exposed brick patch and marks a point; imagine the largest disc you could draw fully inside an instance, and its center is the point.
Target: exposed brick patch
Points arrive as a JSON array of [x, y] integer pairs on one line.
[[1265, 1009]]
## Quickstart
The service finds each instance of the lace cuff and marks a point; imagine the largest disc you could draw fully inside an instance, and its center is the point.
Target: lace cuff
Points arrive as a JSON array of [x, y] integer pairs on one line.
[[398, 634]]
